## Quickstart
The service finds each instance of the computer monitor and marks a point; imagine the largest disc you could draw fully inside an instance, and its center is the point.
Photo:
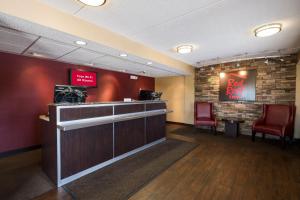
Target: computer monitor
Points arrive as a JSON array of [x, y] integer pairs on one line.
[[145, 95], [69, 94]]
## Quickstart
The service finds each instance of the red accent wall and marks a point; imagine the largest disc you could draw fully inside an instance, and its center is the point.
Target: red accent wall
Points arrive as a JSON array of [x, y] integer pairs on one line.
[[26, 87]]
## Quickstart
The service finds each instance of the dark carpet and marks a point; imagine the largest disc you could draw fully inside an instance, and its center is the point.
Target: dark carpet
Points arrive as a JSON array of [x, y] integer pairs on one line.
[[21, 177], [122, 179], [196, 133]]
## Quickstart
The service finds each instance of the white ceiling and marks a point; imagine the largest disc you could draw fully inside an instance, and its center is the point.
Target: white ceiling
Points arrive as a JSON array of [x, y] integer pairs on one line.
[[218, 28], [25, 38]]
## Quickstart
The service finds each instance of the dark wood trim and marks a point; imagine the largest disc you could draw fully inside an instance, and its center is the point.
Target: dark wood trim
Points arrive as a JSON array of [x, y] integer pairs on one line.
[[155, 106], [18, 151], [67, 114], [49, 144], [179, 123], [131, 108]]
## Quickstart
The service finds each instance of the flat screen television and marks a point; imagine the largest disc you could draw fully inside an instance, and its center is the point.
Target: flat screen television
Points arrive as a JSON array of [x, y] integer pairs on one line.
[[83, 78], [238, 86], [69, 94]]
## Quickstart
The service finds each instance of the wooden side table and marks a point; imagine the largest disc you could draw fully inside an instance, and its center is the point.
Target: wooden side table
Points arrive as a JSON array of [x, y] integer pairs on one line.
[[232, 127]]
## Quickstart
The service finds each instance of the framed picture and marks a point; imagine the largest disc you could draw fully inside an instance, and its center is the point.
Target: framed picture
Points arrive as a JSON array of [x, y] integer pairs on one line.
[[238, 86]]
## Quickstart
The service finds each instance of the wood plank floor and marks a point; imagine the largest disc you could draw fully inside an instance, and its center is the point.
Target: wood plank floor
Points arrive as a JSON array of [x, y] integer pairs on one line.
[[223, 168]]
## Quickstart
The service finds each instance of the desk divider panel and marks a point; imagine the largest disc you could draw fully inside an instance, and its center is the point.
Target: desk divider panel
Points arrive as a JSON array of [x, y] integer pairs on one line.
[[129, 135], [155, 128], [85, 148]]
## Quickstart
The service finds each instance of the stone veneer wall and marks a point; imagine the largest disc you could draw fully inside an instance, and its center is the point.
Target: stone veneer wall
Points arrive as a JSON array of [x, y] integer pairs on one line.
[[275, 84]]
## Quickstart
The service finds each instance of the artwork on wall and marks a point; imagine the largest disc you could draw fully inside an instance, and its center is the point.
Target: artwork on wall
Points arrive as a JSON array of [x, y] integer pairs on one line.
[[237, 86]]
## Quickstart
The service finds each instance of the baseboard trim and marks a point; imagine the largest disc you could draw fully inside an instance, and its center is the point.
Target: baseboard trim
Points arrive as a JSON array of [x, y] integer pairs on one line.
[[17, 151], [179, 123]]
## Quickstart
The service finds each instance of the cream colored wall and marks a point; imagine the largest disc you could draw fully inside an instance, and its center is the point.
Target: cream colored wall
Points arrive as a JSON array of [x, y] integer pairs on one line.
[[179, 93], [297, 121]]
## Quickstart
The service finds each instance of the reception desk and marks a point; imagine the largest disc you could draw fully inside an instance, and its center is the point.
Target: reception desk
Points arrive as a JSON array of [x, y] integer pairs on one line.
[[79, 139]]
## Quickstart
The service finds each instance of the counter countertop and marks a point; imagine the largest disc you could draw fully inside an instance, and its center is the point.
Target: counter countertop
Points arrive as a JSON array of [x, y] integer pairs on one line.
[[108, 103], [44, 117]]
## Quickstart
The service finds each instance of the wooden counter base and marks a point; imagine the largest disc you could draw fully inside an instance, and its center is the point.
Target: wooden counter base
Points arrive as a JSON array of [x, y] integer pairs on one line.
[[70, 153]]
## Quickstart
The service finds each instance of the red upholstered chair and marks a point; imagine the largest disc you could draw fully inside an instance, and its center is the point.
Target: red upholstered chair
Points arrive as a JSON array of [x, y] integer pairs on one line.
[[276, 120], [204, 115]]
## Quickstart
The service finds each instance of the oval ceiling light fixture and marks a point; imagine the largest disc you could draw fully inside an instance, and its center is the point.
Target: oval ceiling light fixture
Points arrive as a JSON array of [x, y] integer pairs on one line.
[[80, 42], [184, 49], [268, 30], [93, 2], [149, 63]]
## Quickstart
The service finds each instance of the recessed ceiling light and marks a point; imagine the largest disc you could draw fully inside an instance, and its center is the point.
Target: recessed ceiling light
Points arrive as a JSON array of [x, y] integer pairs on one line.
[[80, 42], [268, 30], [89, 64], [149, 63], [123, 54], [37, 54], [93, 2], [184, 49]]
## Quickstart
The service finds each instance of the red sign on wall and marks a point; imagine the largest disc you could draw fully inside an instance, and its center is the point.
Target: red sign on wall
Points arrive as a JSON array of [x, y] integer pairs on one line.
[[237, 86], [83, 78]]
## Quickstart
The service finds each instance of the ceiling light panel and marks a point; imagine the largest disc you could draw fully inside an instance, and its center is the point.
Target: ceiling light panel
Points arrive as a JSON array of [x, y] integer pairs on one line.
[[15, 42], [80, 56], [52, 49]]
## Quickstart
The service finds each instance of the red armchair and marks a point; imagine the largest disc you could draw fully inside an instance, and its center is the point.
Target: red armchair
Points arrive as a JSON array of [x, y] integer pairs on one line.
[[204, 115], [276, 120]]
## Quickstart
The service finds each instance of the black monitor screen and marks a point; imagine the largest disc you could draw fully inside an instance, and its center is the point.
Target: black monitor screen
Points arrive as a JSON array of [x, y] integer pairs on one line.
[[145, 95], [69, 94]]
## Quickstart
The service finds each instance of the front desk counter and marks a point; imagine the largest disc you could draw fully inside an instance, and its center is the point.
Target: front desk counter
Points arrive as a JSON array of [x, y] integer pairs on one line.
[[78, 139]]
